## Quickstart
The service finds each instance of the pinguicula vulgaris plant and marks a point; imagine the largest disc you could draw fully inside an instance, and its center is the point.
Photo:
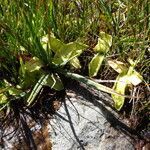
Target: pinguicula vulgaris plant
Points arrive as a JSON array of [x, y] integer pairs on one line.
[[40, 58]]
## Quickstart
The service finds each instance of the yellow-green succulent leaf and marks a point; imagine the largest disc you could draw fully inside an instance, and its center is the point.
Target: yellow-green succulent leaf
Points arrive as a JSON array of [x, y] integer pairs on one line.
[[13, 91], [134, 77], [30, 72], [68, 52], [120, 87], [30, 78], [56, 45], [3, 99], [104, 43], [54, 82], [33, 65], [118, 66], [75, 63], [95, 64]]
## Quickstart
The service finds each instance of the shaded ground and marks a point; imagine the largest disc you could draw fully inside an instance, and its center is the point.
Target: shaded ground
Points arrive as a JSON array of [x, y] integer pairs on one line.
[[86, 120]]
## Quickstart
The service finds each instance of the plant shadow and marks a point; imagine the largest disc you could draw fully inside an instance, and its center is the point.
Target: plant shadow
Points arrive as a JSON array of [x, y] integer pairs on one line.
[[108, 111], [40, 115]]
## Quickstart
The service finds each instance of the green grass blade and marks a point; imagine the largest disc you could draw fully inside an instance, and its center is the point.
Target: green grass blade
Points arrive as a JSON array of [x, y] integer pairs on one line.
[[36, 89]]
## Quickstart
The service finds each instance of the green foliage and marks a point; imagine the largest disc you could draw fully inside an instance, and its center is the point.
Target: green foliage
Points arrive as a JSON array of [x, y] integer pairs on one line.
[[30, 72], [65, 52], [102, 47], [75, 63], [120, 87], [104, 43], [37, 88], [54, 82], [126, 77], [95, 64], [40, 39], [3, 99]]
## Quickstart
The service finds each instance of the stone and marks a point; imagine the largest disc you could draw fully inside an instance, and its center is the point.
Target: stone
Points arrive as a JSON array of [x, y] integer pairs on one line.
[[79, 124]]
